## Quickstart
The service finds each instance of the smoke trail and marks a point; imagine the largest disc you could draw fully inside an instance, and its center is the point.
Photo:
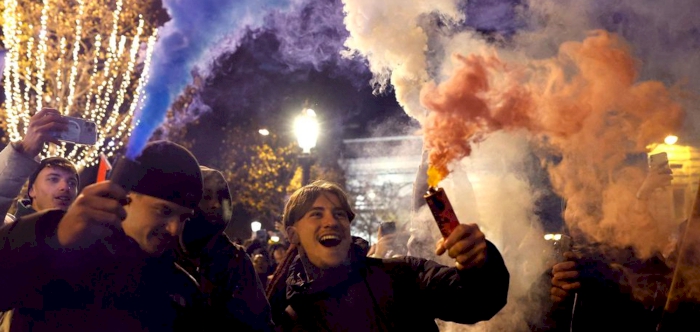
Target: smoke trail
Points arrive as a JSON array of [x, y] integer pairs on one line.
[[311, 35], [290, 46], [389, 34], [194, 27], [591, 109], [592, 99], [495, 189]]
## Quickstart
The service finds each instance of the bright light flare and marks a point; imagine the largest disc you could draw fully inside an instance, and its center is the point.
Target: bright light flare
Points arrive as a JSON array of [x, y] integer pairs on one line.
[[255, 226], [671, 139], [552, 237], [264, 132], [306, 129]]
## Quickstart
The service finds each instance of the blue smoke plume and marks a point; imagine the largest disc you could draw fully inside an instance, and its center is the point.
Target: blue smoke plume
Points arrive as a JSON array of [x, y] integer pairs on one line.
[[195, 26], [290, 46]]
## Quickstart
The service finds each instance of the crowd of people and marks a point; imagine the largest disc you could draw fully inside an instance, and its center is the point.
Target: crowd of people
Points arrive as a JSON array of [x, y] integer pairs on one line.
[[155, 257]]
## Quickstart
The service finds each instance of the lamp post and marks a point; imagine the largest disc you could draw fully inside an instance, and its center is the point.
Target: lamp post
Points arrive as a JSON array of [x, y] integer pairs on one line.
[[306, 131]]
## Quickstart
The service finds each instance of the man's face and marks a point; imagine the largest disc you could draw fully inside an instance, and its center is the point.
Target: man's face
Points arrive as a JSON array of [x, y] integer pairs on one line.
[[210, 203], [54, 187], [154, 223], [323, 233], [278, 255], [260, 264]]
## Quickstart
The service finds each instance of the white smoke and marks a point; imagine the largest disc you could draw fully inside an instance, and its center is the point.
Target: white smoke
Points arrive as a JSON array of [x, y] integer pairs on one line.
[[492, 189], [388, 33]]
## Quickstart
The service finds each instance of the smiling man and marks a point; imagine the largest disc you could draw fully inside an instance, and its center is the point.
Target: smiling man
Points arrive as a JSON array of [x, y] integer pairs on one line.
[[106, 263], [332, 286]]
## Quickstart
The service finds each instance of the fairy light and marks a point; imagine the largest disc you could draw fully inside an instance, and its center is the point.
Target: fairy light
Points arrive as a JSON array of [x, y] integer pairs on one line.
[[41, 57], [59, 72], [97, 80], [76, 54]]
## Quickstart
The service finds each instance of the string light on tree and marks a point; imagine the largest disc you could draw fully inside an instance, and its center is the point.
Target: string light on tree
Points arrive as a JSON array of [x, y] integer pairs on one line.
[[81, 60]]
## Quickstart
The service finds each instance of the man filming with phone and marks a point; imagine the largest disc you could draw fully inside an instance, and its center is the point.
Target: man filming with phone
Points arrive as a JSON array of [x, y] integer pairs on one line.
[[593, 286], [53, 182]]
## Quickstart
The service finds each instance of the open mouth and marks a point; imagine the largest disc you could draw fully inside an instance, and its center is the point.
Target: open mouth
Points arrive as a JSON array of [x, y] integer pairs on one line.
[[63, 199], [330, 241]]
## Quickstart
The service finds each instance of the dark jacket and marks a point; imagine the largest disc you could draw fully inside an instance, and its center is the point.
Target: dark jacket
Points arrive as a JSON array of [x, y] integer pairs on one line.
[[398, 294], [231, 287], [110, 286], [223, 270], [618, 291], [24, 207]]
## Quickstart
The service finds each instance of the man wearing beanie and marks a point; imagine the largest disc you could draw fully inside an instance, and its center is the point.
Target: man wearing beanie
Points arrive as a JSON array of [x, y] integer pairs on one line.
[[106, 264]]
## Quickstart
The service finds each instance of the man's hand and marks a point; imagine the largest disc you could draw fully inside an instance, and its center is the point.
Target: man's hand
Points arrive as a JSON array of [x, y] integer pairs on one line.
[[41, 128], [657, 177], [383, 245], [94, 214], [564, 279], [466, 244]]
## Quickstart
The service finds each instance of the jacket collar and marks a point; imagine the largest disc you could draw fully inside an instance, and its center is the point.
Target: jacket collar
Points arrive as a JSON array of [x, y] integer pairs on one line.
[[299, 283], [24, 207]]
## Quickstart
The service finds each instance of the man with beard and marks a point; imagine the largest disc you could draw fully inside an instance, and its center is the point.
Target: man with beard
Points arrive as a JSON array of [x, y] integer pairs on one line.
[[332, 286], [106, 263]]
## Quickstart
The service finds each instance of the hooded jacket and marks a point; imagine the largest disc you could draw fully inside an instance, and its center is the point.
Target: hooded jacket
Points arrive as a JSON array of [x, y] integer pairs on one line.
[[223, 270], [398, 294]]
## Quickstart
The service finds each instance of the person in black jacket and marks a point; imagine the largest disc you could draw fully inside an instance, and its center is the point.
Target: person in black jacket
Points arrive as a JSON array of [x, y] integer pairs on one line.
[[223, 270], [332, 286], [106, 263]]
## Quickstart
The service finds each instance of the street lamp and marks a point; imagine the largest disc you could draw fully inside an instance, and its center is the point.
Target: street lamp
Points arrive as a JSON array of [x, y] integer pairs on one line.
[[255, 226], [306, 130]]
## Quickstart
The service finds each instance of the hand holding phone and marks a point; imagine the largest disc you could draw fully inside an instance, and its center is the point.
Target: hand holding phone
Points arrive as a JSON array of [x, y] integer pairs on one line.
[[40, 130], [658, 176]]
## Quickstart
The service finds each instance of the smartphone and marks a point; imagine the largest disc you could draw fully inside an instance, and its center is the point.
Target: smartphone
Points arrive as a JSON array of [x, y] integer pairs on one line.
[[560, 243], [388, 227], [658, 160], [80, 131]]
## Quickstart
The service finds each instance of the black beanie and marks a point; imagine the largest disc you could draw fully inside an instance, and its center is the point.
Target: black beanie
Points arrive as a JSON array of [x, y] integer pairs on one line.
[[171, 173]]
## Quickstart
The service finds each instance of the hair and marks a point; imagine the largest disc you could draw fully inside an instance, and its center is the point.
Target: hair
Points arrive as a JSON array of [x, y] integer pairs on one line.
[[278, 245], [303, 199], [57, 162], [298, 204]]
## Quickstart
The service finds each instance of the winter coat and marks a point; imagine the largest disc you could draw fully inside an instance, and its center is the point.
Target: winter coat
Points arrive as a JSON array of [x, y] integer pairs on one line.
[[15, 169], [223, 271], [110, 286], [398, 294]]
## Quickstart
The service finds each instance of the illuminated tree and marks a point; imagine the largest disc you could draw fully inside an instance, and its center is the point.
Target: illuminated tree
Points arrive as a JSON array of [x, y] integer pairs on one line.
[[86, 58]]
